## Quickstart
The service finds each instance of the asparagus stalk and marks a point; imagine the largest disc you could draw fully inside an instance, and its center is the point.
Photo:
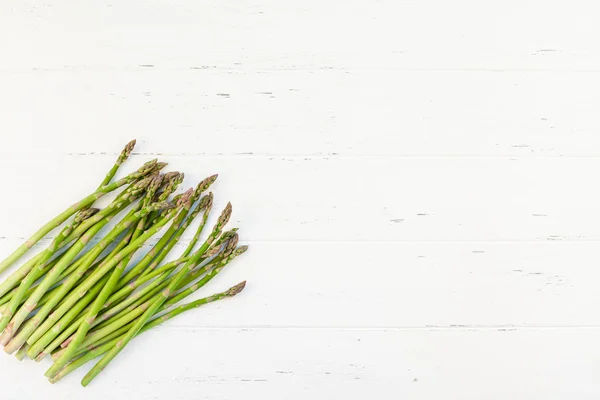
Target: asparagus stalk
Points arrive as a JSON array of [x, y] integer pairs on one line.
[[208, 199], [94, 351], [176, 231], [16, 277], [121, 202], [164, 240], [32, 330], [49, 280], [74, 278], [141, 321], [22, 272], [204, 204], [34, 274], [53, 275], [86, 201], [66, 273], [91, 315], [57, 327], [125, 153], [136, 308], [120, 160]]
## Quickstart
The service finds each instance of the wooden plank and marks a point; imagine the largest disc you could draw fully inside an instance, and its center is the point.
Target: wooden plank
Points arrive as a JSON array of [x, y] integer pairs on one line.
[[300, 114], [300, 364], [372, 200]]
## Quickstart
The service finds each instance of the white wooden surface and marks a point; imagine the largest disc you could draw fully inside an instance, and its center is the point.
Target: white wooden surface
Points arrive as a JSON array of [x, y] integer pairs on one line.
[[418, 181]]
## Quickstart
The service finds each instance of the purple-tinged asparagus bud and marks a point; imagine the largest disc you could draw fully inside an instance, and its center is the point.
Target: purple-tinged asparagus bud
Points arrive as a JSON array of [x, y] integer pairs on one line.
[[83, 215], [148, 167], [241, 250], [230, 245], [236, 289], [163, 205], [206, 202], [185, 198], [126, 152], [205, 184], [225, 215]]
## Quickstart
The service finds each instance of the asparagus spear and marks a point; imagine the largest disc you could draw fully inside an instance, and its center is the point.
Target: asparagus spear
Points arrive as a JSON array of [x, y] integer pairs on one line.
[[97, 274], [95, 351], [137, 308], [85, 325], [31, 328], [86, 201], [120, 160], [121, 202], [53, 275], [35, 273], [157, 249], [156, 304], [14, 279]]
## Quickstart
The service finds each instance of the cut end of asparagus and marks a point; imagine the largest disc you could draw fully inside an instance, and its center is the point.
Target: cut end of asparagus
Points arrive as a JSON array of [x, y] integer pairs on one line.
[[237, 289]]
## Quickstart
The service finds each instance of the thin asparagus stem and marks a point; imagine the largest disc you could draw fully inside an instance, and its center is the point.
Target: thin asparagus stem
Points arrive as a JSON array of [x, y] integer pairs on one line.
[[177, 229], [208, 200], [34, 274], [51, 320], [120, 160], [141, 321], [94, 351], [160, 245], [132, 311], [49, 280], [74, 278], [86, 201], [91, 315]]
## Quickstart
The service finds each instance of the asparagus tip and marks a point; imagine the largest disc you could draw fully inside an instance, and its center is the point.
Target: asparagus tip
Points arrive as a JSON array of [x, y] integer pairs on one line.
[[144, 183], [149, 166], [160, 165], [83, 215], [163, 205], [236, 289], [156, 182], [241, 250], [225, 215], [185, 198], [231, 245], [205, 184], [206, 201], [128, 149]]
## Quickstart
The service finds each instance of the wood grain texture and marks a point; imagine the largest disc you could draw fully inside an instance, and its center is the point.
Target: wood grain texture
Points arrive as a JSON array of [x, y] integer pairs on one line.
[[416, 179]]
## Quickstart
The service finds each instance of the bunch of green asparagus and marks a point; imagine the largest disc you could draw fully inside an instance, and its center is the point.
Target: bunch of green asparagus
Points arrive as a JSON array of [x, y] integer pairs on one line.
[[85, 296]]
